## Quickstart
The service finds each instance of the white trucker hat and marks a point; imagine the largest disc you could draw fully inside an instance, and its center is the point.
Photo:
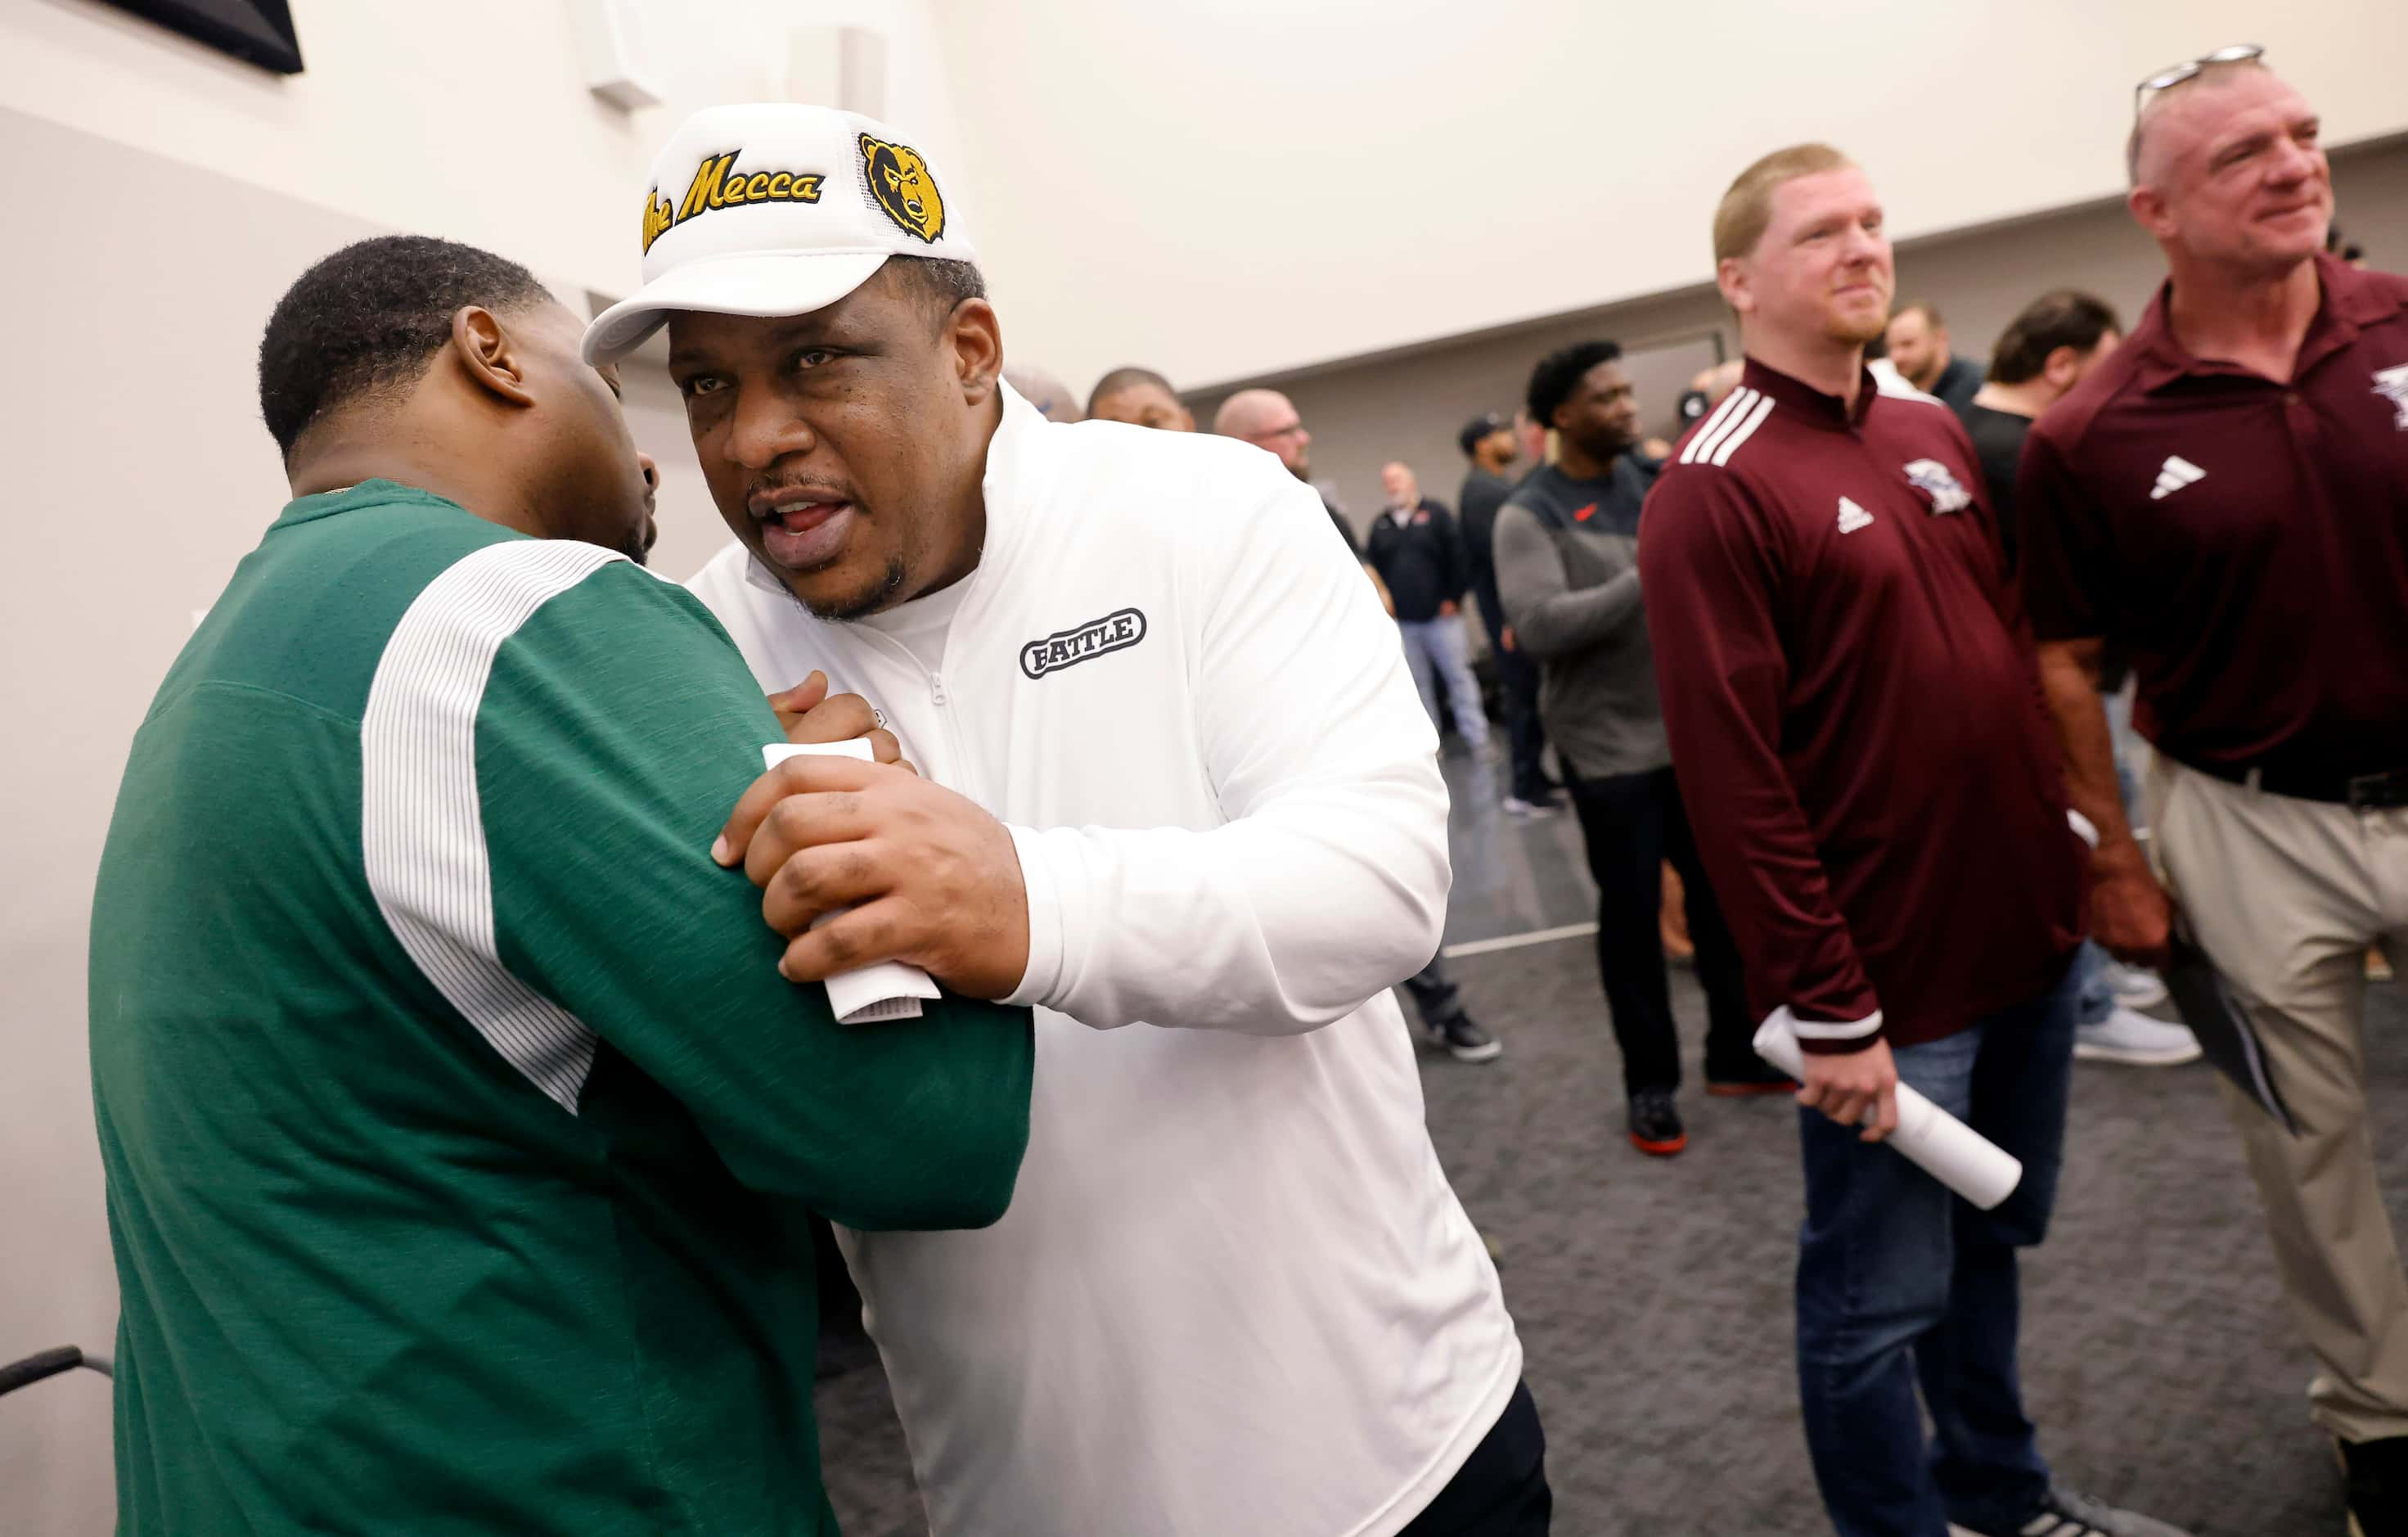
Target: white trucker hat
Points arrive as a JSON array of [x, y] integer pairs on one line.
[[776, 209]]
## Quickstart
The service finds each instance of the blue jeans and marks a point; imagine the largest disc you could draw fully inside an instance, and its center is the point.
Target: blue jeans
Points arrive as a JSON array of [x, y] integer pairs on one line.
[[2095, 994], [1436, 646], [1900, 1280]]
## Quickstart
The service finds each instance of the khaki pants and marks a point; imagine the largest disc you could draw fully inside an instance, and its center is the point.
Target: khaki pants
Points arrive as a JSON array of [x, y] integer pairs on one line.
[[2285, 896]]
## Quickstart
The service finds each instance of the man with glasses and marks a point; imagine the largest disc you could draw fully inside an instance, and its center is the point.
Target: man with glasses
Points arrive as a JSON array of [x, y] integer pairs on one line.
[[1269, 420], [2224, 500]]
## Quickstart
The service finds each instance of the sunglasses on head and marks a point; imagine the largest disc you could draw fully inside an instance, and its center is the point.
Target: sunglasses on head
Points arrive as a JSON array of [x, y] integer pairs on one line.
[[2174, 75]]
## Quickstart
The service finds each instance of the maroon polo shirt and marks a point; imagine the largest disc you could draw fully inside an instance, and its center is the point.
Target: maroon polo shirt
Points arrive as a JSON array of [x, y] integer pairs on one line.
[[2244, 542], [1855, 716]]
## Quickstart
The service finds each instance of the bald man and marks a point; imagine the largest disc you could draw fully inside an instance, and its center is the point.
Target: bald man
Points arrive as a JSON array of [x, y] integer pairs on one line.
[[2224, 500], [1415, 548], [1268, 419]]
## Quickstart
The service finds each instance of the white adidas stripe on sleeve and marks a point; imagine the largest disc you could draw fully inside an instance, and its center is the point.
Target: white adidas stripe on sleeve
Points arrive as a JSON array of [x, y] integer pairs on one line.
[[1710, 426], [1746, 430], [1734, 407]]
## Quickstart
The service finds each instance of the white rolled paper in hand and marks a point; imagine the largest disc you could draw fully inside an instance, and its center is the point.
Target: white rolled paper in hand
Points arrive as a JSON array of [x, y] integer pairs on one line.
[[1943, 1147], [888, 989]]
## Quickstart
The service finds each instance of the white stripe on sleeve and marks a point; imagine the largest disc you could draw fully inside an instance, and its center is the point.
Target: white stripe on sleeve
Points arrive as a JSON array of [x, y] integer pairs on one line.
[[1746, 430], [1734, 405], [1708, 427], [1855, 1029], [422, 826]]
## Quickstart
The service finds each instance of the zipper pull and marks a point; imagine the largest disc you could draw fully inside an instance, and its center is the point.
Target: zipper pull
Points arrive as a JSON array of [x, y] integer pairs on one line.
[[936, 688]]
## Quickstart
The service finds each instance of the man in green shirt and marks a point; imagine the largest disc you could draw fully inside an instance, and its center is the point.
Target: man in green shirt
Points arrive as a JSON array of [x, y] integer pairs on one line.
[[459, 1128]]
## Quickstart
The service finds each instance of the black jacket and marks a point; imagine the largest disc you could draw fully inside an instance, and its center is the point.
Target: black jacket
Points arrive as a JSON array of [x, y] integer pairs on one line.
[[1421, 560], [1483, 494]]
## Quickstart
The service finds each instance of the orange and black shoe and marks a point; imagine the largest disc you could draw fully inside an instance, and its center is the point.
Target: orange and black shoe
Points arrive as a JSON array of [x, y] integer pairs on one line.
[[1655, 1127], [1748, 1079]]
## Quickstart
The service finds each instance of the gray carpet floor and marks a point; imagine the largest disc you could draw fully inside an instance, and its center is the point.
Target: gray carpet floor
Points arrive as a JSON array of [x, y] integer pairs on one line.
[[1654, 1301]]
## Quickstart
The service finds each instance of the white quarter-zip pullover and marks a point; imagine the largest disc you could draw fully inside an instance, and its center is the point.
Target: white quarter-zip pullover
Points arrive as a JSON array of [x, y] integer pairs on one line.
[[1234, 1293]]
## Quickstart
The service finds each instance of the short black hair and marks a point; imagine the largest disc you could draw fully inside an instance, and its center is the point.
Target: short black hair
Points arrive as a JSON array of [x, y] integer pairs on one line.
[[369, 320], [1559, 373], [1120, 379], [942, 285], [1478, 431], [2066, 318]]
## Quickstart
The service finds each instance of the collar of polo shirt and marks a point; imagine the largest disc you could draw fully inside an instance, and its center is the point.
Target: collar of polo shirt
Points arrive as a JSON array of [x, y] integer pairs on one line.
[[2349, 302]]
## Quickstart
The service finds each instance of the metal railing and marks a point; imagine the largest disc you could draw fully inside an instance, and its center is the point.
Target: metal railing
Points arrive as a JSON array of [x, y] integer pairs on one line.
[[49, 1363]]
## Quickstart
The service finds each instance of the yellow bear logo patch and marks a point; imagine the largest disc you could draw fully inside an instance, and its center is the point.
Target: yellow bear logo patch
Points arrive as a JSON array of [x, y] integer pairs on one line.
[[900, 182]]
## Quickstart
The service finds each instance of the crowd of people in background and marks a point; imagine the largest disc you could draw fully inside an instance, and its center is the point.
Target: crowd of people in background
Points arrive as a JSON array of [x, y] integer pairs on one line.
[[1542, 546]]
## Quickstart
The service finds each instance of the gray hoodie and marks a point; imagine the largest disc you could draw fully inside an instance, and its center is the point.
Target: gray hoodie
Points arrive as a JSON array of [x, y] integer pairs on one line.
[[1567, 570]]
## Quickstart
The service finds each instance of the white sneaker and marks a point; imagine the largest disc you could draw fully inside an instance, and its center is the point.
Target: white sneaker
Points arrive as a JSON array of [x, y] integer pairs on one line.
[[2136, 1040], [2134, 988], [1516, 806]]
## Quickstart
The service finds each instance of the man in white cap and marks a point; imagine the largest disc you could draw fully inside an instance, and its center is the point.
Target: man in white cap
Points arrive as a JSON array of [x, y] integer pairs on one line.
[[1180, 797]]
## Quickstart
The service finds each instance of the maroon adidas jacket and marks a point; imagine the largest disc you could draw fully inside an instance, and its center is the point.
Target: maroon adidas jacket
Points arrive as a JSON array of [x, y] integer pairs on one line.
[[1856, 716]]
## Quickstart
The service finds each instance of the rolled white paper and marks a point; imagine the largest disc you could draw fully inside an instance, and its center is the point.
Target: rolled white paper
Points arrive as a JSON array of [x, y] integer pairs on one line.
[[887, 989], [1943, 1147]]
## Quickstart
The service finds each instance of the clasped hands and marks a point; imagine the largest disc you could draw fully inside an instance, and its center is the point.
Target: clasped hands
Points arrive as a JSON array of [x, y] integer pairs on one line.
[[926, 876]]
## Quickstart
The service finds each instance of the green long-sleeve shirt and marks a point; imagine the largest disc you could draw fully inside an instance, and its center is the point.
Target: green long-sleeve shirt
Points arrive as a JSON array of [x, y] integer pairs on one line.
[[458, 1126]]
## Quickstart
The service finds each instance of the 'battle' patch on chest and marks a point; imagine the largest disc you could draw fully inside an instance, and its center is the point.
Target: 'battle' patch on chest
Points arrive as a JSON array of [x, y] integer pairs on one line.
[[1116, 631]]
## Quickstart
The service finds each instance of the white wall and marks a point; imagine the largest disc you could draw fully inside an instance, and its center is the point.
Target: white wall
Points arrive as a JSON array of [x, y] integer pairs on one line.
[[1224, 188], [729, 51], [460, 118], [467, 118]]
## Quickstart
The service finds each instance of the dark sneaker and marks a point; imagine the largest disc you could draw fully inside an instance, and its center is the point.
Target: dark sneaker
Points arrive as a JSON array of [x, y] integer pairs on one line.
[[2066, 1514], [1756, 1077], [1655, 1127], [1465, 1041], [2378, 1486]]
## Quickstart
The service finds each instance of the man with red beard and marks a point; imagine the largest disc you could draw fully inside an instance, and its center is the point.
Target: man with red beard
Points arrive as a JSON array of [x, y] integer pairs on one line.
[[1850, 692]]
